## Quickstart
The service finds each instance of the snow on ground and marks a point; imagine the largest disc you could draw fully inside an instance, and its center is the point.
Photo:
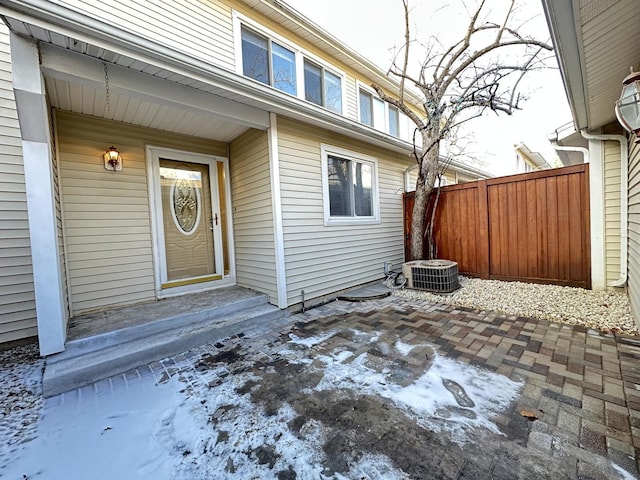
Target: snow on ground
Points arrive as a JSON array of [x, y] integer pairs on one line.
[[623, 473], [403, 348], [204, 423], [427, 399], [125, 434], [20, 398]]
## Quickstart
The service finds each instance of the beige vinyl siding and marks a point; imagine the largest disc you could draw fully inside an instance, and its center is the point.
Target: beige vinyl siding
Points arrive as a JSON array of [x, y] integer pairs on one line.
[[253, 213], [198, 28], [634, 230], [106, 215], [612, 210], [351, 93], [321, 260], [59, 220], [17, 298]]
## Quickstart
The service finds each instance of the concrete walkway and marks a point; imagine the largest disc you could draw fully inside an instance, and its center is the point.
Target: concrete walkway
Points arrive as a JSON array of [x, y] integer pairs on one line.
[[576, 414]]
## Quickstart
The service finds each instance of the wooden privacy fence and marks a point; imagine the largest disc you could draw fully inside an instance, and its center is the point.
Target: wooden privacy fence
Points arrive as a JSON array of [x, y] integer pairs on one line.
[[531, 227]]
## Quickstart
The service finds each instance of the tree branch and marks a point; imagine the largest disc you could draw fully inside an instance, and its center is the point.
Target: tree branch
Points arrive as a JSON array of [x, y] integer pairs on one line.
[[484, 51], [466, 42], [407, 42]]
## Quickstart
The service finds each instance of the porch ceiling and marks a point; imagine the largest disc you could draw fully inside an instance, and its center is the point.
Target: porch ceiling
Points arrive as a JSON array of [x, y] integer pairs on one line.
[[80, 92], [88, 100]]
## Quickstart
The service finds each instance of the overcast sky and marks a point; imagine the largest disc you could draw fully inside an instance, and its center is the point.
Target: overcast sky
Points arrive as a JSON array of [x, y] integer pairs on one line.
[[374, 27]]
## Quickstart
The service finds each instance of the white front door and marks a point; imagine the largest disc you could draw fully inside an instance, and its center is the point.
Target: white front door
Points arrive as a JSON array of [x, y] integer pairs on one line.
[[190, 230]]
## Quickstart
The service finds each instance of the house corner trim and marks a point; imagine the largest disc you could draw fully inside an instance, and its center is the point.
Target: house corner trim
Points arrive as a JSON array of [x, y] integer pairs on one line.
[[276, 199]]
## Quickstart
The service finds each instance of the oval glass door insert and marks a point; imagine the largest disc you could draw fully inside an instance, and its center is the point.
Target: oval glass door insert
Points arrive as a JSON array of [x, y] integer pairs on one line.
[[184, 198]]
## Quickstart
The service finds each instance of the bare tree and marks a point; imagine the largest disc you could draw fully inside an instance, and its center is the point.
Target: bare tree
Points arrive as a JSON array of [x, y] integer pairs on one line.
[[480, 72]]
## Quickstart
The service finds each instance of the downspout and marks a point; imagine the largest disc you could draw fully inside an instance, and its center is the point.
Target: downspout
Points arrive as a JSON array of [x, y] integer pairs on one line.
[[624, 202]]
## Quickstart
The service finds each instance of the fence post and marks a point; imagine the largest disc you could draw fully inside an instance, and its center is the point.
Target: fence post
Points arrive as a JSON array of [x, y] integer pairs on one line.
[[482, 244], [408, 202]]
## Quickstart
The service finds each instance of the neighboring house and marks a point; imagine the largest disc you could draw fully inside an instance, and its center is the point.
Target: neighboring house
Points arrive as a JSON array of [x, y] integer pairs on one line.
[[528, 161], [596, 42], [249, 150]]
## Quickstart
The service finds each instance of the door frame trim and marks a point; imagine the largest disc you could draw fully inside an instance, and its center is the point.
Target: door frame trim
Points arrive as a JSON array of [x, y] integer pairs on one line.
[[153, 155]]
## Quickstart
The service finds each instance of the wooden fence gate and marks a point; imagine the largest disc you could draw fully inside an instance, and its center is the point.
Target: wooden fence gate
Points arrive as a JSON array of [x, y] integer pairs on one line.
[[530, 227]]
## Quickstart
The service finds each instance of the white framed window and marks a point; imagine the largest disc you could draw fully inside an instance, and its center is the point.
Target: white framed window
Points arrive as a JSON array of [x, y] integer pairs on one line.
[[322, 86], [267, 61], [349, 187], [273, 60], [373, 110], [394, 121], [365, 102], [376, 113]]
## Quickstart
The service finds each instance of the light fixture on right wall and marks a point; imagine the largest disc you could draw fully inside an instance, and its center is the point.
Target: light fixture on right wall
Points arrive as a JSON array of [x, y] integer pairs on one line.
[[628, 105]]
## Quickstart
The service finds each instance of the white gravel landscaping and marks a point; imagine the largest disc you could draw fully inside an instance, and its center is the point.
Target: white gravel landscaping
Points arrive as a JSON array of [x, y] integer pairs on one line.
[[609, 312]]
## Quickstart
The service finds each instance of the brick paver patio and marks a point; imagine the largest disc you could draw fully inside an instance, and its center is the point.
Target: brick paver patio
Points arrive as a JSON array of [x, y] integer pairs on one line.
[[585, 384], [582, 384]]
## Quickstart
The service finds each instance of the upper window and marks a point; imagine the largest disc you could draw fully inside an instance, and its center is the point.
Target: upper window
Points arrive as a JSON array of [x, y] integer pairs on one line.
[[394, 121], [378, 114], [366, 108], [350, 187], [271, 59], [268, 62], [322, 87]]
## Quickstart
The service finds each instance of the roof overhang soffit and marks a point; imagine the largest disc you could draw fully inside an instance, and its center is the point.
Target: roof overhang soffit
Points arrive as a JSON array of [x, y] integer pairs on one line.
[[82, 69], [59, 20], [563, 22], [596, 42]]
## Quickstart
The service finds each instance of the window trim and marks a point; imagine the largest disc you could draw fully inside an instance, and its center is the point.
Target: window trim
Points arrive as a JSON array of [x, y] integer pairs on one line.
[[323, 82], [238, 21], [359, 94], [270, 58], [301, 54], [330, 150], [403, 125]]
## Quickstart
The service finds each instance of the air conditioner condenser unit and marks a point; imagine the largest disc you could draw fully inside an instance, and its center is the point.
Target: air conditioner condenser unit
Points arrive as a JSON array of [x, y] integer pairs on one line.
[[439, 276]]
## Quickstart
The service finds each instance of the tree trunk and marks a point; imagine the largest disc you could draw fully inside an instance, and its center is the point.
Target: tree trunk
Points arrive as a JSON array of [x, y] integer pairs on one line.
[[417, 220], [424, 187]]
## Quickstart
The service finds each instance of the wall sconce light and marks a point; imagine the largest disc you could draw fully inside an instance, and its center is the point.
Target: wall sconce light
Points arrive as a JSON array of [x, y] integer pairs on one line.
[[112, 159], [628, 106]]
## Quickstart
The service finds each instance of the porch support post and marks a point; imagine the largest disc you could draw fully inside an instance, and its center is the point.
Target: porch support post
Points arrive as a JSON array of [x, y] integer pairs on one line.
[[276, 200], [31, 103]]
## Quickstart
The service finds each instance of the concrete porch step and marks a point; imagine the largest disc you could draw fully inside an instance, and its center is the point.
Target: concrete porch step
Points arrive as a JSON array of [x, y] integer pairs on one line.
[[90, 359]]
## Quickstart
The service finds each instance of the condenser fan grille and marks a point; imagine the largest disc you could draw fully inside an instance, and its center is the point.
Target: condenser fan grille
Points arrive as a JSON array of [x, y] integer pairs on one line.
[[440, 276]]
